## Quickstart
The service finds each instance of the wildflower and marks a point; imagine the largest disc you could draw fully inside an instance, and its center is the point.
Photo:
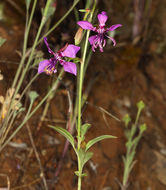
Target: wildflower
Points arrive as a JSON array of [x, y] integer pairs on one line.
[[99, 40], [48, 65]]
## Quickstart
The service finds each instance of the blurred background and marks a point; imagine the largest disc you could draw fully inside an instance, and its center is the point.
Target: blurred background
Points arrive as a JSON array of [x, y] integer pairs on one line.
[[116, 80]]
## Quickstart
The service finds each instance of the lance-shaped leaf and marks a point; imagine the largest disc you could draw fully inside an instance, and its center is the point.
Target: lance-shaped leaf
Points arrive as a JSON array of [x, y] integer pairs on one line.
[[65, 133], [97, 139], [84, 129], [83, 156]]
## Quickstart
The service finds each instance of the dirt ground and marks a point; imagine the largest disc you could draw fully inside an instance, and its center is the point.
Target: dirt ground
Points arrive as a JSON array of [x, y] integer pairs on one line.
[[118, 78]]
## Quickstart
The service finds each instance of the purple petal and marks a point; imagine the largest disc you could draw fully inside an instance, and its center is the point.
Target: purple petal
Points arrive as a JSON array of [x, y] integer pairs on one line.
[[113, 27], [70, 51], [86, 25], [113, 40], [102, 17], [42, 65], [49, 50], [92, 38], [70, 67]]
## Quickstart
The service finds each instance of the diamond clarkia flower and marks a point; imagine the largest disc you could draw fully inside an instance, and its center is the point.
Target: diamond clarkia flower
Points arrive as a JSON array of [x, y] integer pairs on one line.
[[99, 40], [49, 65]]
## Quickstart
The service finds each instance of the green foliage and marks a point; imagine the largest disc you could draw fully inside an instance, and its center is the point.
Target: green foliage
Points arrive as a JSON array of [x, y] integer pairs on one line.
[[84, 129], [83, 157], [97, 139], [140, 105], [126, 119], [77, 173], [33, 95], [2, 41], [143, 128], [50, 11], [65, 133], [133, 135]]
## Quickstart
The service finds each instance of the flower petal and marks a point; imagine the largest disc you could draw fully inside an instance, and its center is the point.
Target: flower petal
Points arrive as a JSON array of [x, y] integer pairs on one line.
[[70, 51], [92, 38], [113, 40], [102, 17], [42, 65], [70, 67], [49, 50], [86, 25], [113, 27]]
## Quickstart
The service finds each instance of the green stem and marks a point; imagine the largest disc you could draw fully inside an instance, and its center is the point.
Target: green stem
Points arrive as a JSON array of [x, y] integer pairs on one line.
[[29, 59], [80, 173], [27, 28], [34, 46], [80, 88], [79, 182]]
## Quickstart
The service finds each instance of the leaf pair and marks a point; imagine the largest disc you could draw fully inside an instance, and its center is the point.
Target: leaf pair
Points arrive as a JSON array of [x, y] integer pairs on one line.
[[85, 127]]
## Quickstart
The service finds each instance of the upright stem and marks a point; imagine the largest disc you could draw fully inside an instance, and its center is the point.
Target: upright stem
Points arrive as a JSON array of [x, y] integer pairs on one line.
[[80, 88], [79, 182], [27, 28], [81, 79], [80, 173]]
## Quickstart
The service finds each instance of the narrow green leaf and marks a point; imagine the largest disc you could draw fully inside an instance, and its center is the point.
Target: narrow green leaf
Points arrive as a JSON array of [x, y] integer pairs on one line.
[[97, 139], [27, 2], [84, 156], [2, 41], [84, 129], [65, 133], [143, 127], [50, 12], [78, 174], [132, 165]]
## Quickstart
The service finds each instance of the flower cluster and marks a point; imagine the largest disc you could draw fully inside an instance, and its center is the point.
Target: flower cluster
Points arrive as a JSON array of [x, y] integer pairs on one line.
[[49, 65], [99, 40], [69, 51]]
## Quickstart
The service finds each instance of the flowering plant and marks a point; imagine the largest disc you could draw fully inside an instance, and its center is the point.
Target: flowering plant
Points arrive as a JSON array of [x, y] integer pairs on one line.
[[48, 65], [99, 40]]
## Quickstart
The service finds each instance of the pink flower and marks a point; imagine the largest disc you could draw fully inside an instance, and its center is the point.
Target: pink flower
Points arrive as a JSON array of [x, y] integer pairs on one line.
[[48, 65], [99, 40]]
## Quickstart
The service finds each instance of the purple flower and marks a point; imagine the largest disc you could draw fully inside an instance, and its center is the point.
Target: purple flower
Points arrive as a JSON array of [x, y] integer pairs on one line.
[[99, 40], [48, 65]]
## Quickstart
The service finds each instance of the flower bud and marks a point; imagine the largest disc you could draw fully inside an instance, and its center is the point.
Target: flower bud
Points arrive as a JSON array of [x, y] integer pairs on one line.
[[78, 37]]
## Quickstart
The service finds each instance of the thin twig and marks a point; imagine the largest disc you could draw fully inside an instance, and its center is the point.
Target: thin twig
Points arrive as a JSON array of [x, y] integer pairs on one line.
[[42, 175], [104, 111]]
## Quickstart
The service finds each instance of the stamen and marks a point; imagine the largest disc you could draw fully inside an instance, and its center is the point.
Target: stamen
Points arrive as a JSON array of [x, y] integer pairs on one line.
[[49, 70]]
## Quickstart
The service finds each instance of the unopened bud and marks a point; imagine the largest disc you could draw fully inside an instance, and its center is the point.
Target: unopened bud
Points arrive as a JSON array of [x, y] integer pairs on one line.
[[78, 37], [84, 10]]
